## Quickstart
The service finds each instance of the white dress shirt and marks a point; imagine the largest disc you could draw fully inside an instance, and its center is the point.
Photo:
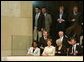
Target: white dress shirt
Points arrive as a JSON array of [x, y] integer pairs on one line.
[[75, 13], [45, 38], [61, 39], [35, 53], [74, 46], [60, 15], [45, 14], [49, 50]]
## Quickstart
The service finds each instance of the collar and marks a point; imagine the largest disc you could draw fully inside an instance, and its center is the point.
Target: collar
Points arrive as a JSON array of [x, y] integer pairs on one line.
[[38, 13], [74, 45], [45, 14], [75, 13], [50, 47], [62, 37]]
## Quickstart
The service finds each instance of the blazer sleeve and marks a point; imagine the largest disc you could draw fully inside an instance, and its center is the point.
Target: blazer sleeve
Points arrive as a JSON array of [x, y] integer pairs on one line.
[[64, 50], [44, 51], [29, 50], [43, 21], [37, 52], [80, 50], [50, 18], [53, 53]]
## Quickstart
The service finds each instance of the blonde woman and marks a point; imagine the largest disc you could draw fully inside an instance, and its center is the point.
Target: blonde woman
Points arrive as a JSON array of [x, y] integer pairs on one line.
[[49, 50]]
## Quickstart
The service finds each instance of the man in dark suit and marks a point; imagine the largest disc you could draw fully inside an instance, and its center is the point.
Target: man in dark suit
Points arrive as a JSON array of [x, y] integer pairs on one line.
[[61, 20], [75, 16], [43, 41], [75, 20], [39, 24], [75, 50], [63, 39]]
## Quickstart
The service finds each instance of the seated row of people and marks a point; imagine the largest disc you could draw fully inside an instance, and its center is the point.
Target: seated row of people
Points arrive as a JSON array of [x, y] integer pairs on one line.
[[59, 50]]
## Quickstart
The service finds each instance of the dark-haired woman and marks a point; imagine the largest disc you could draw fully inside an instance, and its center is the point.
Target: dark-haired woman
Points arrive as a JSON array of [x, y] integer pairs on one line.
[[33, 51]]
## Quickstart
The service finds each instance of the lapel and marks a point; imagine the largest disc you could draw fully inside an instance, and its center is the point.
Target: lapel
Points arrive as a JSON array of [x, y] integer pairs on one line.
[[35, 50], [63, 39]]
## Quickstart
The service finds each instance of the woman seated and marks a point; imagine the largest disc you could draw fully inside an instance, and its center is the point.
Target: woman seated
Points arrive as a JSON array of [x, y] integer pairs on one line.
[[49, 50], [60, 49], [34, 51]]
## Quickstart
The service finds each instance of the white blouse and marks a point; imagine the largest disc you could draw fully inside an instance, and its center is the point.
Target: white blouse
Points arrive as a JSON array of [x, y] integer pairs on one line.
[[49, 50], [35, 53]]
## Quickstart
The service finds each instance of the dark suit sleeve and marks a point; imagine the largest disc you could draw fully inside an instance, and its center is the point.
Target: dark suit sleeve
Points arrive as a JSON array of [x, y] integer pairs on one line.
[[65, 42], [39, 44], [80, 50], [64, 50], [43, 21]]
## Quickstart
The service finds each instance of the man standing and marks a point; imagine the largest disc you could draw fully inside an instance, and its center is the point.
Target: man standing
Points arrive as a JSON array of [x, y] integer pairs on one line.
[[48, 20], [61, 20], [39, 24], [75, 20], [76, 16]]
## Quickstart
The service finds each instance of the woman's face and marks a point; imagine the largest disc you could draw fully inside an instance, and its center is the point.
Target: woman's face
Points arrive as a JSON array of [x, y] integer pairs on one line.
[[49, 43], [34, 44]]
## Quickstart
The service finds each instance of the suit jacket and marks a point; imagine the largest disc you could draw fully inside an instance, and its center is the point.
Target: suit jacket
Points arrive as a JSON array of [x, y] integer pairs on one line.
[[49, 50], [61, 26], [42, 42], [78, 18], [63, 51], [40, 22], [48, 21], [64, 16], [78, 48], [35, 53], [65, 42]]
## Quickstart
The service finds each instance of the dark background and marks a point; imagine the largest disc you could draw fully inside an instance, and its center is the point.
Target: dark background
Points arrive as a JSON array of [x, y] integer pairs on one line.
[[53, 7]]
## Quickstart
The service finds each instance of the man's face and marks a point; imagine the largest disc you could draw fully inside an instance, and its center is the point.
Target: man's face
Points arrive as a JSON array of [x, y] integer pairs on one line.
[[35, 44], [45, 34], [37, 10], [75, 9], [60, 34], [73, 42], [61, 10], [44, 10]]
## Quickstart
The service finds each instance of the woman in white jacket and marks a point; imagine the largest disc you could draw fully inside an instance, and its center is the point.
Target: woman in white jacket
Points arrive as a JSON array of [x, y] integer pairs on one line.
[[49, 50], [34, 51]]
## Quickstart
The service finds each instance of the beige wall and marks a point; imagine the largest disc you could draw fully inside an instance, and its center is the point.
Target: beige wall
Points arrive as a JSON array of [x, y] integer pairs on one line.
[[16, 21]]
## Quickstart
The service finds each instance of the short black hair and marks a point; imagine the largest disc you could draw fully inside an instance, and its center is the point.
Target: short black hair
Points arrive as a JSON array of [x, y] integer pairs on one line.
[[73, 38], [38, 7], [34, 41]]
